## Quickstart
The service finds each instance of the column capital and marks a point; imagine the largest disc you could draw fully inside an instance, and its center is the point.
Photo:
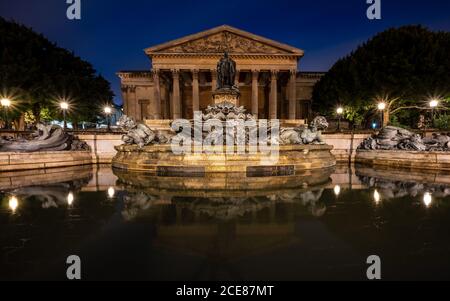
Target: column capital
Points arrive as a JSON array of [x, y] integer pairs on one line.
[[195, 73], [156, 72], [274, 74], [132, 88], [293, 72], [175, 72]]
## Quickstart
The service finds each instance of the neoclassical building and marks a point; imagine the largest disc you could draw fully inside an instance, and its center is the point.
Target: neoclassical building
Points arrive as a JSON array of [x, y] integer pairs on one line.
[[183, 77]]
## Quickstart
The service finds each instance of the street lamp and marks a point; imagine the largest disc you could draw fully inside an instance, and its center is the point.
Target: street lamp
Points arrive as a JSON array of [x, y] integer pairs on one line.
[[64, 107], [6, 103], [108, 111], [433, 105], [339, 112], [381, 107]]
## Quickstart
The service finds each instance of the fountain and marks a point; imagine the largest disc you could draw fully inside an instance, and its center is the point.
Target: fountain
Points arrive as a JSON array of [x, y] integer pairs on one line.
[[224, 141]]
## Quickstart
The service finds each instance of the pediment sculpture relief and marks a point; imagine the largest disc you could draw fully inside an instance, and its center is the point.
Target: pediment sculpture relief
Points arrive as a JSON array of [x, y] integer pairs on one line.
[[225, 41]]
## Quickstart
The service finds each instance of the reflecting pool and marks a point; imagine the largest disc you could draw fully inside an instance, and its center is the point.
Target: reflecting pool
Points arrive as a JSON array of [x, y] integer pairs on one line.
[[132, 227]]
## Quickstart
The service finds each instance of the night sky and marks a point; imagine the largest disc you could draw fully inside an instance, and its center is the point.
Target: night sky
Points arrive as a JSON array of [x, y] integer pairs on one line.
[[113, 33]]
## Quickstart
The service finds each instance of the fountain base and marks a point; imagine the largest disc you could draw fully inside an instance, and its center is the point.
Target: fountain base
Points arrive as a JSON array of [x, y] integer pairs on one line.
[[161, 161]]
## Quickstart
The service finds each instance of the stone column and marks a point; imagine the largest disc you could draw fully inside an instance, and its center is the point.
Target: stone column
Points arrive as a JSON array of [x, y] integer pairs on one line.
[[195, 92], [236, 78], [255, 101], [132, 102], [157, 95], [214, 80], [125, 99], [176, 94], [273, 94], [292, 94], [236, 83]]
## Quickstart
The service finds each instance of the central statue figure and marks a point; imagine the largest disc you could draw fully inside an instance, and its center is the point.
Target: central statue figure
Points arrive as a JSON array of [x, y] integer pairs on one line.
[[226, 72]]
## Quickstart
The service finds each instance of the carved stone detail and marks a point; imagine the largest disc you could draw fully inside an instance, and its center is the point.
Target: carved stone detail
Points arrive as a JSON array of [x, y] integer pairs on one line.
[[225, 41]]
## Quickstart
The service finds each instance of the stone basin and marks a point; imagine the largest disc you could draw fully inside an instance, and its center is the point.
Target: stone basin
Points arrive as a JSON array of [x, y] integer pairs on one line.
[[159, 160]]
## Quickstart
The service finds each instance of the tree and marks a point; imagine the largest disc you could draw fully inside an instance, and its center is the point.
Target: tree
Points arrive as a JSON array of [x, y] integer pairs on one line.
[[404, 67], [36, 74]]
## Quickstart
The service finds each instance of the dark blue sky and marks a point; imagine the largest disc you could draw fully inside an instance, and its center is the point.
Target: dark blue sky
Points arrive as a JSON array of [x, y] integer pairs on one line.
[[113, 33]]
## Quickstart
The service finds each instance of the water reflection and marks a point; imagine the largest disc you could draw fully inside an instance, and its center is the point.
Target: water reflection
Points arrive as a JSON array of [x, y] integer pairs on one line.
[[135, 226], [111, 192], [221, 208], [376, 197], [427, 199], [70, 199], [13, 203], [394, 184], [337, 190]]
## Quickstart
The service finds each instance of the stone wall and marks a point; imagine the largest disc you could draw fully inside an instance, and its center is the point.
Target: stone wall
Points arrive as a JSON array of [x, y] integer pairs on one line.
[[102, 146], [24, 161], [345, 145], [405, 159]]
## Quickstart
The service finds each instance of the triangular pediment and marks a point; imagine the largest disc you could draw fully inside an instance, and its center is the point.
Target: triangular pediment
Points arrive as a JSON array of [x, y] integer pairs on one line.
[[221, 39]]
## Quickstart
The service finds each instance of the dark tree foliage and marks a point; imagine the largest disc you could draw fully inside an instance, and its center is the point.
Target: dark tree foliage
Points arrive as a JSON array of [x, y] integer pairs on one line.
[[404, 66], [36, 74]]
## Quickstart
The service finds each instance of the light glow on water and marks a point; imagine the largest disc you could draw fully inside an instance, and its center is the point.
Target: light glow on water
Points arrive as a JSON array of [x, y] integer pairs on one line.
[[376, 197], [427, 199], [13, 203], [70, 199], [111, 192], [337, 190]]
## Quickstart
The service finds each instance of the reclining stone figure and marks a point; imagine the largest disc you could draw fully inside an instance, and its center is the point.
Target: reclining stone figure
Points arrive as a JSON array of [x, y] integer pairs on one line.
[[140, 134], [46, 138], [301, 135], [395, 138]]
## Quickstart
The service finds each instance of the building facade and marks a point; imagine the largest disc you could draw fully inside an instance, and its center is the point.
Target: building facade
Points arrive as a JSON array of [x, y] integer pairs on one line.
[[183, 77]]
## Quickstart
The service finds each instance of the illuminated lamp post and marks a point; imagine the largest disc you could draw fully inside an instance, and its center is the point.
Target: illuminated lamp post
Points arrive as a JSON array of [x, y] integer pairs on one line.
[[433, 105], [108, 112], [64, 107], [381, 107], [6, 103], [339, 112]]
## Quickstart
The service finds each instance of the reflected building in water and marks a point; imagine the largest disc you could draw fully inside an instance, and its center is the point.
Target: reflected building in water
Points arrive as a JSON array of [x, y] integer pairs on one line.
[[147, 231]]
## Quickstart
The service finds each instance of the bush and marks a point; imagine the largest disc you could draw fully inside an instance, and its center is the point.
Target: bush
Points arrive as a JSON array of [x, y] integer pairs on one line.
[[442, 122]]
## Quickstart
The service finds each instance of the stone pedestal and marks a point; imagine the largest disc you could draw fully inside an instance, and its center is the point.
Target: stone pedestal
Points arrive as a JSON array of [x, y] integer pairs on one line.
[[230, 95]]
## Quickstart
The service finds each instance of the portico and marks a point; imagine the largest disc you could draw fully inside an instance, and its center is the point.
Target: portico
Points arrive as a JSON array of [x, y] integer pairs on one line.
[[183, 77]]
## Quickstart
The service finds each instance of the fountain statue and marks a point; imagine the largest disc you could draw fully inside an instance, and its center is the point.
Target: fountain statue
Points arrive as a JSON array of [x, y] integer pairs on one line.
[[226, 72], [395, 138], [239, 141], [46, 138], [226, 90]]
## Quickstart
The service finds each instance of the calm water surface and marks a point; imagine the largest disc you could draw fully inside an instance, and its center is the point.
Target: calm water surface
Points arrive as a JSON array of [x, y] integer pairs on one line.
[[124, 229]]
